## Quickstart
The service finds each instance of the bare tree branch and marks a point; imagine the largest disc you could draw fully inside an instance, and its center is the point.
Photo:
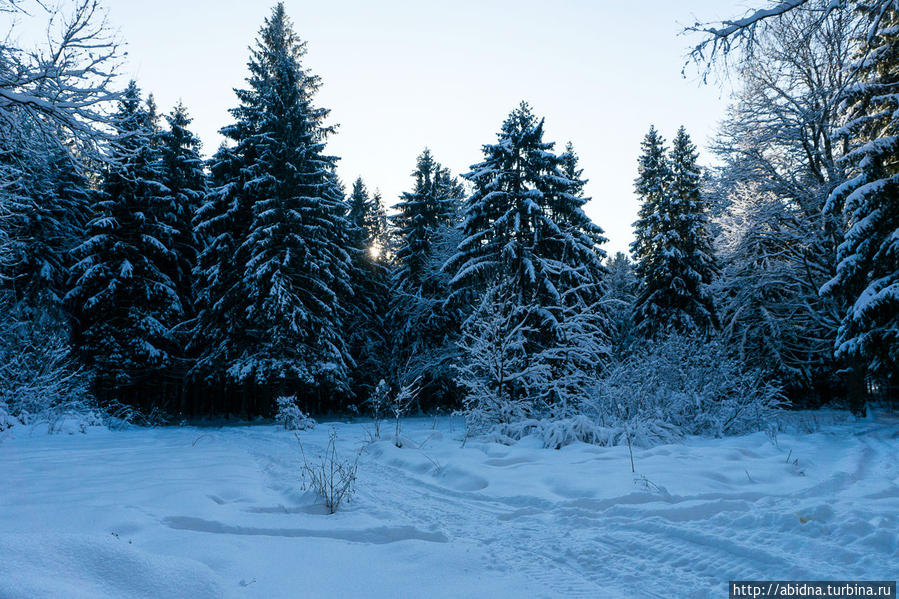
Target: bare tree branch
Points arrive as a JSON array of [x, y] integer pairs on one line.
[[721, 38], [63, 89]]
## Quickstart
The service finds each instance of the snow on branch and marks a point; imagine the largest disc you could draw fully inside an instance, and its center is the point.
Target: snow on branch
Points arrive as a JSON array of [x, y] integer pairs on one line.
[[63, 88], [720, 38]]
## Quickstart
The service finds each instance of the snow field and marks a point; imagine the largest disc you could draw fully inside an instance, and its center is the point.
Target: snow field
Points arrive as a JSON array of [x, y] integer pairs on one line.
[[218, 512]]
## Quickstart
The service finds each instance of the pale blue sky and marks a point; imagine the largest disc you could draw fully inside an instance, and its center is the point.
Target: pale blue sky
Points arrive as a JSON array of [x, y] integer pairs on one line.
[[399, 76]]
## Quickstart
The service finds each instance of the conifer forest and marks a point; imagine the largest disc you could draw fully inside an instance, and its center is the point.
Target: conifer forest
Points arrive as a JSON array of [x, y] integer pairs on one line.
[[722, 396]]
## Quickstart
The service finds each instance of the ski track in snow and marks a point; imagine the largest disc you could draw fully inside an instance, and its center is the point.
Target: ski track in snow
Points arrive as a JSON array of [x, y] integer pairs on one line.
[[684, 544], [569, 523]]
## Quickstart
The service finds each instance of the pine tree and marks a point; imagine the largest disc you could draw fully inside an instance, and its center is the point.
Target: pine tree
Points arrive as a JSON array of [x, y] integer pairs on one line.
[[123, 301], [867, 273], [425, 326], [280, 207], [528, 245], [672, 247]]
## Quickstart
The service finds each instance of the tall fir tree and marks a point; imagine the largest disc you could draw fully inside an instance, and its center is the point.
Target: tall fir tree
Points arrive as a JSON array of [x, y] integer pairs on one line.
[[867, 273], [578, 230], [124, 302], [279, 301], [367, 334], [425, 326], [525, 220], [220, 224], [433, 203], [672, 246], [621, 294], [185, 179], [47, 227], [530, 248]]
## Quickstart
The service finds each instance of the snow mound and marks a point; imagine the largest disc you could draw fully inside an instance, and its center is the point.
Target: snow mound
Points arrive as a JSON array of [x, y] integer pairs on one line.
[[93, 567]]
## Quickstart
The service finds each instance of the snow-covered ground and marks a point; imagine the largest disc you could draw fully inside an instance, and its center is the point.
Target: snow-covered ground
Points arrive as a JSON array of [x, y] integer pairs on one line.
[[218, 512]]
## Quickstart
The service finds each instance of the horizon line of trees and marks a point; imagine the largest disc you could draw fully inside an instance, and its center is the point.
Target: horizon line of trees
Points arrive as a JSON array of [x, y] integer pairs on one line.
[[215, 287]]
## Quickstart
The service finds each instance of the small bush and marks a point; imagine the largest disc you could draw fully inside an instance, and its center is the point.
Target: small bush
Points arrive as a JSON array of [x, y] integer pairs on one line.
[[554, 433], [40, 381], [291, 417], [6, 419], [377, 402], [331, 478], [400, 405], [118, 416]]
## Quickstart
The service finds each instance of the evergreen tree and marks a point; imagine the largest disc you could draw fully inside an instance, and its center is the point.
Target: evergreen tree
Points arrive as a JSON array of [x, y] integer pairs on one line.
[[280, 207], [621, 294], [367, 219], [433, 203], [867, 273], [124, 302], [578, 231], [367, 330], [672, 249], [221, 222], [47, 225], [185, 179], [425, 326], [528, 245], [525, 221]]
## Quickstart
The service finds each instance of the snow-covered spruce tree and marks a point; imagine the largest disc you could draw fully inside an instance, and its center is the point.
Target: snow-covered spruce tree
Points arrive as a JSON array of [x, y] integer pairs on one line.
[[274, 309], [124, 302], [184, 177], [580, 238], [425, 325], [621, 293], [221, 222], [672, 249], [433, 202], [44, 225], [867, 273], [367, 334], [43, 210], [530, 249]]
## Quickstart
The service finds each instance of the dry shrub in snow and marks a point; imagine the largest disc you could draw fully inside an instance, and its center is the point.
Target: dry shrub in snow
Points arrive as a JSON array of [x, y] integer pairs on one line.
[[401, 404], [331, 478], [6, 419], [377, 402]]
